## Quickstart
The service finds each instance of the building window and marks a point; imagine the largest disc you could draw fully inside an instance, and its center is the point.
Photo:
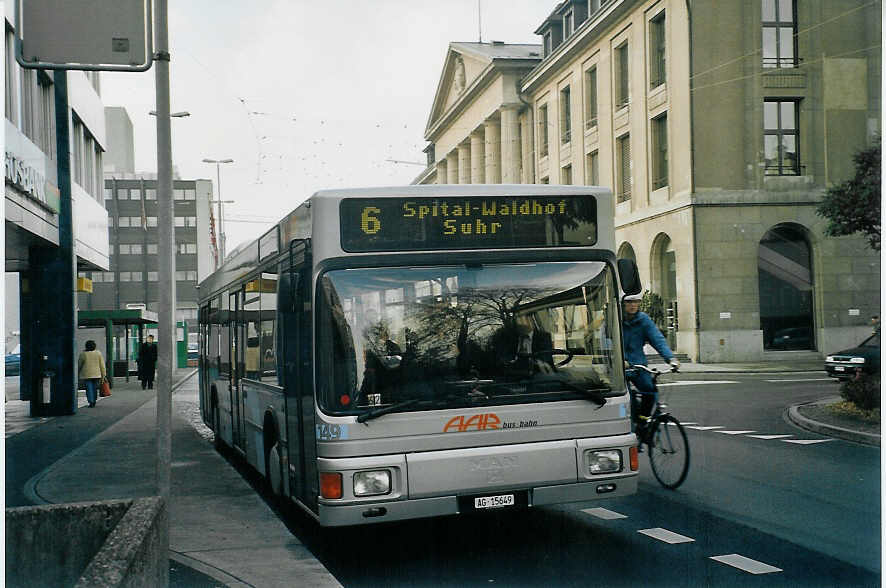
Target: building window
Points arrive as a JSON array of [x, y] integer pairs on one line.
[[779, 33], [123, 249], [123, 221], [152, 221], [11, 102], [46, 119], [123, 194], [152, 248], [565, 116], [566, 175], [136, 276], [178, 194], [150, 194], [660, 152], [181, 276], [543, 130], [190, 194], [29, 90], [135, 249], [786, 280], [657, 74], [109, 193], [781, 137], [591, 98], [179, 221], [622, 77], [125, 276], [153, 276], [110, 222], [592, 168], [135, 194], [547, 39], [623, 167], [568, 23]]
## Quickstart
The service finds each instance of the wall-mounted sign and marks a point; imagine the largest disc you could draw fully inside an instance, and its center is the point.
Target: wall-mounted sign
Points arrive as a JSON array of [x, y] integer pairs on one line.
[[725, 315], [854, 312], [31, 182]]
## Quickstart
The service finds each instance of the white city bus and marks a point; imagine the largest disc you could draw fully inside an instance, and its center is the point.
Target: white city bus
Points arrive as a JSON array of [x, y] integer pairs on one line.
[[394, 353]]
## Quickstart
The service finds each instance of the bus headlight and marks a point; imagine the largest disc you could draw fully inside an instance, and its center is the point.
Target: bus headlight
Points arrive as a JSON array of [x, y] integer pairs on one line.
[[372, 483], [856, 360], [605, 461]]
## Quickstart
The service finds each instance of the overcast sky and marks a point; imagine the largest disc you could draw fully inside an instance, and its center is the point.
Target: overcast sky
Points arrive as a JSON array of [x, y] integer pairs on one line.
[[305, 95]]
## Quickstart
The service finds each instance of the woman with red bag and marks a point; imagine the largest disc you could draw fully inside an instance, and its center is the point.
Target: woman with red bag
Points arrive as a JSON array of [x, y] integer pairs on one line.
[[91, 370]]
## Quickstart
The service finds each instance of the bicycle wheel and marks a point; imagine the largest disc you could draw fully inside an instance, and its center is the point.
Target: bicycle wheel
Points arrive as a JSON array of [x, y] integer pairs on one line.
[[669, 451]]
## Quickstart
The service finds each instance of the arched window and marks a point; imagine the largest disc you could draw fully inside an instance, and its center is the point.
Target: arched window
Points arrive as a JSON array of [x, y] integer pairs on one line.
[[627, 252], [784, 263]]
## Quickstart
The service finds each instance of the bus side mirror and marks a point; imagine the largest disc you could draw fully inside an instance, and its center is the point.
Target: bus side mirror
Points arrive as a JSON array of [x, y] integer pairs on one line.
[[286, 291], [629, 276]]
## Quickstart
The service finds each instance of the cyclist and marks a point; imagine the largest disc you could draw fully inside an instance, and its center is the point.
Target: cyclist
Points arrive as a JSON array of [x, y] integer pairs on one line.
[[639, 330]]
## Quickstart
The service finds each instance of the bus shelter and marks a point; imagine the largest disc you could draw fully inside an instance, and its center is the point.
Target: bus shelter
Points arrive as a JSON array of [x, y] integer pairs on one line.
[[109, 319]]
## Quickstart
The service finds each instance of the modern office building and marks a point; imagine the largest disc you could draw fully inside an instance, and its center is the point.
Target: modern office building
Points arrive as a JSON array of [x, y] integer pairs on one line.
[[132, 279], [37, 230], [719, 127]]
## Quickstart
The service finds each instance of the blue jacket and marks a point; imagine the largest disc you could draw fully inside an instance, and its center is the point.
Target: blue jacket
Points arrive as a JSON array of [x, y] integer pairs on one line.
[[637, 332]]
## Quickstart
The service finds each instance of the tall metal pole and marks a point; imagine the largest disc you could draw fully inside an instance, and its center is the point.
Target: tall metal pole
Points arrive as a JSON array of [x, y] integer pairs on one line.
[[166, 262], [221, 218]]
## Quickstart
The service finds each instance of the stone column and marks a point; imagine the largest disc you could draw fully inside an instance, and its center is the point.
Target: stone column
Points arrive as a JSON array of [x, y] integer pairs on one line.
[[464, 163], [478, 158], [452, 168], [528, 147], [493, 151], [441, 171], [510, 146]]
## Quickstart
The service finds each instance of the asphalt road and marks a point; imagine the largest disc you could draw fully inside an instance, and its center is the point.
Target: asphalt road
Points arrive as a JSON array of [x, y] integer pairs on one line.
[[798, 509]]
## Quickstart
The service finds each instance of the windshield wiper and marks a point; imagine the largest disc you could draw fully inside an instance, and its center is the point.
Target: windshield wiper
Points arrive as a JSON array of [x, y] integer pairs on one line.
[[377, 412]]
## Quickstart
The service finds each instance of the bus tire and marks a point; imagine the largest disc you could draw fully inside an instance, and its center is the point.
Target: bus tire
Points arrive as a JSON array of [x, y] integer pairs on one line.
[[275, 471], [216, 428]]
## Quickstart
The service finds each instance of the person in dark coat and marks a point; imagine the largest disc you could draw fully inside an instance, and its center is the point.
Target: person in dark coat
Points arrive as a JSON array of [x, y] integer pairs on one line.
[[147, 362]]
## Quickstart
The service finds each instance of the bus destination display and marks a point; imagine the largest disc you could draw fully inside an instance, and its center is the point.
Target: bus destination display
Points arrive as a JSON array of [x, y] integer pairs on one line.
[[418, 224]]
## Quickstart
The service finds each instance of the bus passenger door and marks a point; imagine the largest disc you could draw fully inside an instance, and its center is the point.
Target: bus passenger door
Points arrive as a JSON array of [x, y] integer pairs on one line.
[[290, 333], [236, 371]]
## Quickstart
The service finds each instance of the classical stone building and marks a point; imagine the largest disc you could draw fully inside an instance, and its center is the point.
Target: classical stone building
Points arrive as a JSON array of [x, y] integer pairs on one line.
[[719, 127]]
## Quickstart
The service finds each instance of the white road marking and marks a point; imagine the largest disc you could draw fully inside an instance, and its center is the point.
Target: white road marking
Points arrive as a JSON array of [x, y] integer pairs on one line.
[[666, 536], [734, 432], [746, 564], [805, 441], [699, 428], [807, 380], [768, 437], [697, 382], [604, 513], [673, 424]]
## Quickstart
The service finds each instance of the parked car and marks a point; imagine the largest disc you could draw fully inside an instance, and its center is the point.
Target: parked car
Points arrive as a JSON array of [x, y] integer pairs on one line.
[[866, 357], [793, 338], [13, 361]]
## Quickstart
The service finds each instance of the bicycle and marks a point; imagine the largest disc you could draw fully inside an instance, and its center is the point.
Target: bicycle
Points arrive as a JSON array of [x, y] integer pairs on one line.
[[664, 437]]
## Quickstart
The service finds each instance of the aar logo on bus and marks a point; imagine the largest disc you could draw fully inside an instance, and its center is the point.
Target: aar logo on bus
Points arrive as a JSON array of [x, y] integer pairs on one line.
[[478, 422]]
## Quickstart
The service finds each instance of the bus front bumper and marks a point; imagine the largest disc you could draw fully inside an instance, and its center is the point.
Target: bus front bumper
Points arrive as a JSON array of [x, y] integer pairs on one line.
[[379, 512]]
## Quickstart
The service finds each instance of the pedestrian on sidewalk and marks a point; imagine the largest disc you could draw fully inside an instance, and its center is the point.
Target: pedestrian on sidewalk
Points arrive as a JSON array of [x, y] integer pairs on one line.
[[147, 362], [91, 369]]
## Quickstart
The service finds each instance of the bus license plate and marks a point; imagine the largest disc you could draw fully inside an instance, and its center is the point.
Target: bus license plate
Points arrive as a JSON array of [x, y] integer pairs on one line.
[[499, 501]]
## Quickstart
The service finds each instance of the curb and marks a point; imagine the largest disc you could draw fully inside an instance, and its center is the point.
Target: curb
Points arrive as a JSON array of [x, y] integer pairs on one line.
[[794, 416]]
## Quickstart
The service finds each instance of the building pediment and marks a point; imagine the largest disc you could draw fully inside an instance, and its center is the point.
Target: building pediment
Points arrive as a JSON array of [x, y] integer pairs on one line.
[[466, 64]]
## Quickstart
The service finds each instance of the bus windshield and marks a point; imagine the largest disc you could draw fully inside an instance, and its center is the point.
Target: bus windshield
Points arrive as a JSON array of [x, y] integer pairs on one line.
[[421, 338]]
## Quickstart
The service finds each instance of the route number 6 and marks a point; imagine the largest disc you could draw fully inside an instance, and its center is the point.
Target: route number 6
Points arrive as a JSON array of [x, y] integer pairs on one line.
[[370, 224]]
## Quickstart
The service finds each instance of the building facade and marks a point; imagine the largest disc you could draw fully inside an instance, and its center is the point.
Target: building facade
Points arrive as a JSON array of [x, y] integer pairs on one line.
[[132, 278], [719, 127]]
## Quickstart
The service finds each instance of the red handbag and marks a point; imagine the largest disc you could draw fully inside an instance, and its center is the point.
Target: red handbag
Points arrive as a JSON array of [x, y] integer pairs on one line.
[[105, 389]]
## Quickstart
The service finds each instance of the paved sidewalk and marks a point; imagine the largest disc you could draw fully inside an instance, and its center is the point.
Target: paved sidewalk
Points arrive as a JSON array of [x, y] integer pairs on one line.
[[219, 526]]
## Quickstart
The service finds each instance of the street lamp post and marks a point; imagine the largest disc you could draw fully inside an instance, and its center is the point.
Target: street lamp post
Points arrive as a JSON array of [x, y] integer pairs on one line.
[[221, 218]]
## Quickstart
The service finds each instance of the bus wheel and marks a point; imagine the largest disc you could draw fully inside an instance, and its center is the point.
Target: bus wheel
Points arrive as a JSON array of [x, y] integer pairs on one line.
[[274, 469], [216, 427]]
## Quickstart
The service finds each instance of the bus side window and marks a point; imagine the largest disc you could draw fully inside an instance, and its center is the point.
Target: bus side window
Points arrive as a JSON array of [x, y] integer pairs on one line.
[[287, 295], [224, 341], [266, 331]]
